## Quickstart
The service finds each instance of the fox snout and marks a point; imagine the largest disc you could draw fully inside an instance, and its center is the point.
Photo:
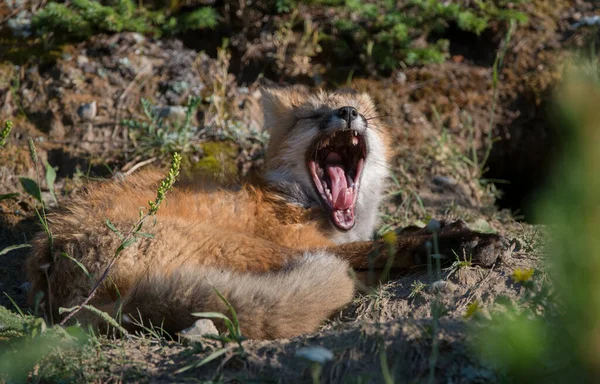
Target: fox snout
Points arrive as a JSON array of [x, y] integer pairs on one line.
[[347, 113], [344, 118]]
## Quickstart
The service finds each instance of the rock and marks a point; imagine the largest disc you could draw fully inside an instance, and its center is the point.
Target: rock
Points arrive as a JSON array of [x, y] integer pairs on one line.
[[82, 60], [176, 112], [20, 26], [401, 77], [588, 21], [137, 37], [316, 354], [87, 111], [200, 328], [443, 181], [442, 286]]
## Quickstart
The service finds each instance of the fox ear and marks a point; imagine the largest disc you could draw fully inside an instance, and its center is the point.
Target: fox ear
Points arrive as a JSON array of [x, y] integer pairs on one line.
[[279, 104]]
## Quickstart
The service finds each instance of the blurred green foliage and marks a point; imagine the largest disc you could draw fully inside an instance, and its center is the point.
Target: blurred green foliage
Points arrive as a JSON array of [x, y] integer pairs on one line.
[[80, 19], [26, 340], [390, 34], [552, 335], [381, 35]]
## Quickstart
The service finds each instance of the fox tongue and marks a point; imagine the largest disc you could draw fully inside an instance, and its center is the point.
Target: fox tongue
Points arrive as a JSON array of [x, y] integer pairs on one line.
[[342, 196]]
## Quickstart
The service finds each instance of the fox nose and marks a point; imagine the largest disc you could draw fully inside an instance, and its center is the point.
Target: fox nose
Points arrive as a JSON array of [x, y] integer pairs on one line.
[[347, 113]]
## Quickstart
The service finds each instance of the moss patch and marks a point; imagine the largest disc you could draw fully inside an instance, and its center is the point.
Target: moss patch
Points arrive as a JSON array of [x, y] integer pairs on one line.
[[219, 160]]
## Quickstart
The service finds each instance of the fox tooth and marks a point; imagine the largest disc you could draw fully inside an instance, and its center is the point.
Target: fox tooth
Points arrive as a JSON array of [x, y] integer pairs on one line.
[[355, 140]]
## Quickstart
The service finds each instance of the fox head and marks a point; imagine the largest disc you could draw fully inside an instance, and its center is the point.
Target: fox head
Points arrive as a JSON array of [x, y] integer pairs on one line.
[[328, 150]]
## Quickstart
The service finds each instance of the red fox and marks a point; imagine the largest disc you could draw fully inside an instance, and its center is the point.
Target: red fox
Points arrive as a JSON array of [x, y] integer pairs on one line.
[[278, 249]]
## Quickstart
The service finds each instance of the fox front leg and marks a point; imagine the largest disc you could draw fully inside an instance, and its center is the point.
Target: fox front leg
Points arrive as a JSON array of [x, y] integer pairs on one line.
[[456, 238], [411, 248]]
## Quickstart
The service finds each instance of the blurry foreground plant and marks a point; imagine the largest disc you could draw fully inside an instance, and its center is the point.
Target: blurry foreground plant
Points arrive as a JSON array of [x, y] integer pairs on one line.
[[80, 19], [559, 340], [26, 340]]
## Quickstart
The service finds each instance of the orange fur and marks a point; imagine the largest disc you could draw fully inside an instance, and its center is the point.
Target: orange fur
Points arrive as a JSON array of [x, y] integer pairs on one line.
[[277, 260]]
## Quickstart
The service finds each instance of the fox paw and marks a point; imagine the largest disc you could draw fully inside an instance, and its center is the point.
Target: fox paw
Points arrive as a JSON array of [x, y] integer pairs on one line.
[[456, 239], [483, 248]]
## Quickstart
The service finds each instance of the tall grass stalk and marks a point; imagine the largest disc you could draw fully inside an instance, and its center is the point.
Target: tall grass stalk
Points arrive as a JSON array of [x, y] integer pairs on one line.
[[130, 237], [436, 307]]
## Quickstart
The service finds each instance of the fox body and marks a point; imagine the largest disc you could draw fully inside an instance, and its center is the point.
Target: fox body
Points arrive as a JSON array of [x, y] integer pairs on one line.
[[278, 249]]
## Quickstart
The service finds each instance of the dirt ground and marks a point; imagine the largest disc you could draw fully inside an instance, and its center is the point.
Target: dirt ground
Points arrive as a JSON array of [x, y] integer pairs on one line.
[[439, 115]]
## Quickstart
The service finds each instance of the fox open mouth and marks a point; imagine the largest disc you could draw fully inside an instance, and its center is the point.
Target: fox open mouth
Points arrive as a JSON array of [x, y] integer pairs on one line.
[[335, 164]]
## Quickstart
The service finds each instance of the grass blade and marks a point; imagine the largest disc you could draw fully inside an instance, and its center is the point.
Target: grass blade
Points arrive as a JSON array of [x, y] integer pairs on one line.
[[50, 179], [211, 315], [14, 247], [9, 196], [81, 266], [112, 227], [14, 304], [234, 318], [207, 359], [32, 188]]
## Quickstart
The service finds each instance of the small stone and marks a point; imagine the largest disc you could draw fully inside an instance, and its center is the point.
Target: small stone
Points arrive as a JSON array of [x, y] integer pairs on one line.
[[171, 112], [444, 181], [200, 328], [442, 286], [82, 60], [434, 225], [20, 25], [124, 61], [401, 77], [588, 21], [138, 37], [315, 354], [87, 111], [25, 287]]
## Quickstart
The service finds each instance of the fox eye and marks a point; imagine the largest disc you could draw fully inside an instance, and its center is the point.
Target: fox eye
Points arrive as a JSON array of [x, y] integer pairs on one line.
[[317, 114], [312, 117]]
